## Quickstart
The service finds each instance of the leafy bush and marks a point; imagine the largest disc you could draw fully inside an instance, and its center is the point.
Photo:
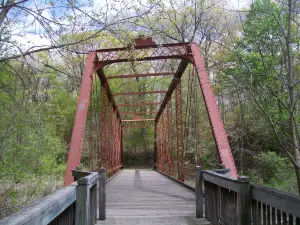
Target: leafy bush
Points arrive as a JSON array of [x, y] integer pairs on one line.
[[268, 165]]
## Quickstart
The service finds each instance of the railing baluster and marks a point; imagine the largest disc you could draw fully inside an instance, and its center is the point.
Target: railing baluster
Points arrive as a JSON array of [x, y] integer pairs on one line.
[[279, 217], [268, 215], [254, 211], [228, 205], [216, 204], [291, 219], [224, 204], [284, 218], [264, 207], [273, 216]]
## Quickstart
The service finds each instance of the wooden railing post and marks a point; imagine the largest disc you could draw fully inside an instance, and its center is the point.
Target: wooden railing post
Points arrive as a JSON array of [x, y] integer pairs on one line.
[[244, 201], [198, 190], [102, 194], [82, 202]]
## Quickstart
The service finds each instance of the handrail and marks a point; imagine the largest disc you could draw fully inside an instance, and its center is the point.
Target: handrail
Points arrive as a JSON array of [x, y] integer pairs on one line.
[[221, 180], [237, 201], [274, 202], [73, 204], [44, 210], [283, 201]]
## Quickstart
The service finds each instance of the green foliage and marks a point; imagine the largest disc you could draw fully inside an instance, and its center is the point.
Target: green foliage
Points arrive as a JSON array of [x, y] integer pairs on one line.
[[274, 171], [255, 79], [37, 114], [268, 165]]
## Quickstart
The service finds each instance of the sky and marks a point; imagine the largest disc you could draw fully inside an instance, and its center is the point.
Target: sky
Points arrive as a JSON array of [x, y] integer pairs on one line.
[[239, 4], [32, 39]]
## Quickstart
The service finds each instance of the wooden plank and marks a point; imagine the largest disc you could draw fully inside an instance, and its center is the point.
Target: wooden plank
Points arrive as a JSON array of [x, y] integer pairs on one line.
[[220, 180]]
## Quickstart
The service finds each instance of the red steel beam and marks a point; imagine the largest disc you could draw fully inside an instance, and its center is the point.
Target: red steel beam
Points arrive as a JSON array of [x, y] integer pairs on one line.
[[139, 104], [138, 113], [142, 120], [142, 47], [141, 126], [105, 84], [140, 75], [74, 154], [180, 134], [181, 68], [139, 93], [156, 52], [220, 135]]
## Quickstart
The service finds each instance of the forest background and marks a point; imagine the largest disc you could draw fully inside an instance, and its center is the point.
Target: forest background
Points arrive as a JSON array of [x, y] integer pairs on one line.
[[251, 54]]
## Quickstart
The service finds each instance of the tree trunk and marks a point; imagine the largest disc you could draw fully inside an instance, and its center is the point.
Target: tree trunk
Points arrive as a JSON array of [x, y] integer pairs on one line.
[[293, 128]]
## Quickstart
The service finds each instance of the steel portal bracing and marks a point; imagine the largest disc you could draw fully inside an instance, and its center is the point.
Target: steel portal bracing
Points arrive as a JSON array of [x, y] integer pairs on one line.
[[169, 133]]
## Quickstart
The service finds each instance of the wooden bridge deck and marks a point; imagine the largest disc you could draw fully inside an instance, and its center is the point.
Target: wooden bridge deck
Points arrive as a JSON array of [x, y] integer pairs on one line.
[[147, 197]]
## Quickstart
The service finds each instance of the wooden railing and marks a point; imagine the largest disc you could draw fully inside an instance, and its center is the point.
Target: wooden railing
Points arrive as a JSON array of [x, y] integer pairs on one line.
[[238, 202], [73, 204], [272, 206]]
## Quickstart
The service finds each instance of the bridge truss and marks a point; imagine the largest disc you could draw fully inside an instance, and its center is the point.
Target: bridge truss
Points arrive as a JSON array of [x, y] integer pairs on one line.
[[99, 125]]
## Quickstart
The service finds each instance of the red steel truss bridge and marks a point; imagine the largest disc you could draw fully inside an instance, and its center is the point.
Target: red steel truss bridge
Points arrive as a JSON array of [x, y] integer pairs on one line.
[[177, 190], [167, 118]]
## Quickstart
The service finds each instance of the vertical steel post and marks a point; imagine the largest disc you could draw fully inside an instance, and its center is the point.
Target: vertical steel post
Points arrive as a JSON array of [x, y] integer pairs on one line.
[[160, 145], [170, 138], [121, 155], [113, 127], [80, 119], [109, 137], [103, 123], [155, 146], [163, 155], [179, 130], [213, 112]]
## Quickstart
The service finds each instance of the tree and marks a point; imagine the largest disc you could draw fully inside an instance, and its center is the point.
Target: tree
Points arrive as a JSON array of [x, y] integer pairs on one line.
[[263, 61]]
